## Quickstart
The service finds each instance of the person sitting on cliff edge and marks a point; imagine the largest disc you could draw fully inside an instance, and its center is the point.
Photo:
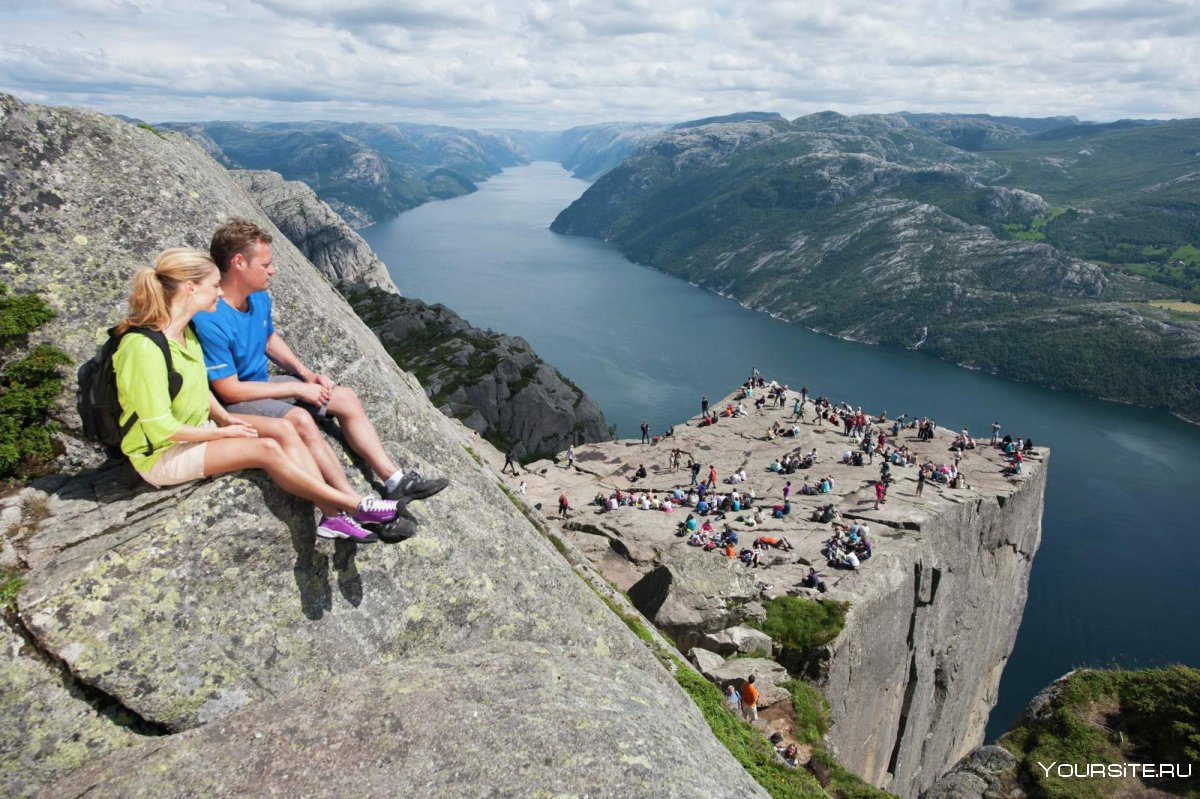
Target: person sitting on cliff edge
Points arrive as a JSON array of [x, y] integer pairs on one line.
[[238, 338]]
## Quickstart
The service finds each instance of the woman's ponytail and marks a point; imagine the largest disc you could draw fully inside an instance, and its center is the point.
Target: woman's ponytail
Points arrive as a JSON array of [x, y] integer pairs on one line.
[[153, 289], [147, 303]]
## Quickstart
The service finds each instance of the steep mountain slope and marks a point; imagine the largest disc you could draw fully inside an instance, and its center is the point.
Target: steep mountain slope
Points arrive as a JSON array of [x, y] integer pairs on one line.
[[365, 171], [873, 229], [200, 640]]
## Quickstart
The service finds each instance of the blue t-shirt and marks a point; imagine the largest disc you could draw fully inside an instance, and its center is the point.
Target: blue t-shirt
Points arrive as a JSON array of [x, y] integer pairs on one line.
[[235, 342]]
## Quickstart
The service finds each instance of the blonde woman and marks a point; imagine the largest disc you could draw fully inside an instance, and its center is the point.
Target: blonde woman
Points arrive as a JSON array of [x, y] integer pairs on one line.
[[191, 436]]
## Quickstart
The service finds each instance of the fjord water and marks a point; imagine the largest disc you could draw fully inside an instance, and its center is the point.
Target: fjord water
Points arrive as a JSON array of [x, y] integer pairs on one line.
[[1115, 581]]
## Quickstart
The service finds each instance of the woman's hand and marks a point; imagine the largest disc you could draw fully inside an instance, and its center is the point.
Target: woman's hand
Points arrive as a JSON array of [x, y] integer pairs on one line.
[[237, 429]]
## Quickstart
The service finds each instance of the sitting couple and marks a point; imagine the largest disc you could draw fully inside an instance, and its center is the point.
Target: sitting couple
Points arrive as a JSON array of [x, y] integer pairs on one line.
[[215, 312]]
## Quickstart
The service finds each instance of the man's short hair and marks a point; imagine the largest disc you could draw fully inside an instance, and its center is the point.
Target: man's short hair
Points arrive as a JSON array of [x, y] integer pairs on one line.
[[234, 237]]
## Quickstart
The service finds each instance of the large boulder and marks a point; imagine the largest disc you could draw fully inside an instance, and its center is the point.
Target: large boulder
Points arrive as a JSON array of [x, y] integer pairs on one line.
[[691, 593], [180, 607], [985, 773], [735, 640]]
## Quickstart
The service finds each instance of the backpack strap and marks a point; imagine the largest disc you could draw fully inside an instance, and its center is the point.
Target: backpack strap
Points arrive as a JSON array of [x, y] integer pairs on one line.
[[174, 379]]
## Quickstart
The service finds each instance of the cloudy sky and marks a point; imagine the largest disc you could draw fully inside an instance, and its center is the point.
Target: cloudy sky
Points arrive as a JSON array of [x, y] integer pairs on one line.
[[551, 65]]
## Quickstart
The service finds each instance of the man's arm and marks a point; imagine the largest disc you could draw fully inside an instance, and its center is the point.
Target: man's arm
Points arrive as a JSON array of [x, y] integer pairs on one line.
[[230, 390]]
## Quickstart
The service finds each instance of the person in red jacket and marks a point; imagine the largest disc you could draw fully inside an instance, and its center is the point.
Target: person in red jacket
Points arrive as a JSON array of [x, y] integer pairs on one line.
[[749, 696]]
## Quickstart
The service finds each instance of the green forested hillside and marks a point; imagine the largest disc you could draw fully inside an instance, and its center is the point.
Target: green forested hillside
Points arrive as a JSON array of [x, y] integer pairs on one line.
[[366, 172], [1034, 258]]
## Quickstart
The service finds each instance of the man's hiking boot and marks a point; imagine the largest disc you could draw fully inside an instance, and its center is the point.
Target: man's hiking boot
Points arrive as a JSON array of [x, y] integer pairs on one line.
[[342, 526], [375, 511], [397, 530], [412, 487]]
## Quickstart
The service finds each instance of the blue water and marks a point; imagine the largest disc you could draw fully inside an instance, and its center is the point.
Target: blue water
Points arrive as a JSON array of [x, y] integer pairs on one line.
[[1115, 580]]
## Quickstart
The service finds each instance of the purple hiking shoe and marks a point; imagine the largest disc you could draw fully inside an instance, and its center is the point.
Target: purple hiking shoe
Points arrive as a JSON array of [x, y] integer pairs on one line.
[[342, 526], [376, 511]]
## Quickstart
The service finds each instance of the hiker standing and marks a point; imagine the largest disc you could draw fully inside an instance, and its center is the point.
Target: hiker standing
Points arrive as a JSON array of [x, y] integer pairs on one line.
[[645, 432], [510, 462]]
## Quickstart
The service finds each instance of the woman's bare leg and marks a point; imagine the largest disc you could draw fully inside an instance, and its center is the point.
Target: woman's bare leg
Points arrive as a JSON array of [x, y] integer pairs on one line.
[[289, 439], [234, 454]]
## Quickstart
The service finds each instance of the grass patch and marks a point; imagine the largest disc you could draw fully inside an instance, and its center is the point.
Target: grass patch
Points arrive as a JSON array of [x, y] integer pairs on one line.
[[1176, 305], [10, 586], [474, 455], [1145, 716], [152, 129], [812, 712], [797, 623]]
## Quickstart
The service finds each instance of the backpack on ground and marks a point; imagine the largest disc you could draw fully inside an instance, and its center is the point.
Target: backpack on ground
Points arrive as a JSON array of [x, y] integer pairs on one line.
[[97, 403]]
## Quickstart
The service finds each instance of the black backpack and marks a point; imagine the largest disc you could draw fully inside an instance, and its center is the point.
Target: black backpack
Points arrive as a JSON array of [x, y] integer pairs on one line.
[[97, 403]]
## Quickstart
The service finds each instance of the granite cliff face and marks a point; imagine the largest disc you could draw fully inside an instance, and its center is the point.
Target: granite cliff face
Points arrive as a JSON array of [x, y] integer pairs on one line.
[[495, 384], [913, 677], [295, 666]]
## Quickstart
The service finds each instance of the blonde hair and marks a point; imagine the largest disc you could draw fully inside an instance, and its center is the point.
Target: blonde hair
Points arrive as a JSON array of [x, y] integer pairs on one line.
[[153, 289]]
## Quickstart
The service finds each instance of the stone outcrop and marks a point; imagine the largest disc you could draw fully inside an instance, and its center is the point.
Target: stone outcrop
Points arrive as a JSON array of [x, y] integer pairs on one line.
[[212, 607], [495, 384], [51, 726], [932, 616], [687, 596], [986, 772], [321, 235], [768, 677], [738, 640]]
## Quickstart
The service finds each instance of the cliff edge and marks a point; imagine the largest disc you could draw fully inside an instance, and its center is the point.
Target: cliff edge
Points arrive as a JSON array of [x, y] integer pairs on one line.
[[933, 615]]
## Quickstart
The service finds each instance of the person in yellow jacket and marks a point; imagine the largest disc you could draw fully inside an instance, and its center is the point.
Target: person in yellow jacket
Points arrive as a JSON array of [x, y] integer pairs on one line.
[[192, 436]]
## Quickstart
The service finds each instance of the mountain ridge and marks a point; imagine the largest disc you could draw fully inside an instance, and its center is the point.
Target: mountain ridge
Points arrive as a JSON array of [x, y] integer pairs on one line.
[[873, 229]]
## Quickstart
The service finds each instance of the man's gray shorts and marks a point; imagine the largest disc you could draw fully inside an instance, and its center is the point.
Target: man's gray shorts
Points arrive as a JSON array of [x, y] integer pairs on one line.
[[277, 408]]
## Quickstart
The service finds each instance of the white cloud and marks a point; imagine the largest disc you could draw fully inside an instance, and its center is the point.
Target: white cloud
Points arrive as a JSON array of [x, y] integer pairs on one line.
[[544, 64]]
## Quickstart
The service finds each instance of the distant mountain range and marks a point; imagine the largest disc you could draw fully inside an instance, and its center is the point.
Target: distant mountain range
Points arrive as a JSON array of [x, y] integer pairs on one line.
[[367, 172], [1027, 247], [1030, 248]]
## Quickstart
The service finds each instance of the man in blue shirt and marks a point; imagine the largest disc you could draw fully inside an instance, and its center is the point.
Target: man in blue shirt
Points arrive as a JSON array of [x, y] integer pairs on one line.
[[239, 337]]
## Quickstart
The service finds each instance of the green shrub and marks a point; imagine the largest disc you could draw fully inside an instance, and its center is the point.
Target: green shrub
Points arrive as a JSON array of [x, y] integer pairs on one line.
[[1146, 716], [797, 623], [29, 385]]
